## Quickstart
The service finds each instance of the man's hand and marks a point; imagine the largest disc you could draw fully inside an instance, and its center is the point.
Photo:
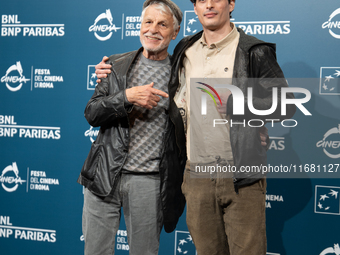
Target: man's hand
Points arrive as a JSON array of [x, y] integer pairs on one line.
[[102, 69], [263, 134], [144, 96]]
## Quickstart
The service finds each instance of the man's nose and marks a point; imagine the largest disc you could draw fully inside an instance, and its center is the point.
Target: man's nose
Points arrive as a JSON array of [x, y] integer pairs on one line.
[[210, 4], [154, 28]]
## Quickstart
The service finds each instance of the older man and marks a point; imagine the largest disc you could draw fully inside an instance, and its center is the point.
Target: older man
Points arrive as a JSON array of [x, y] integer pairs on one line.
[[137, 160]]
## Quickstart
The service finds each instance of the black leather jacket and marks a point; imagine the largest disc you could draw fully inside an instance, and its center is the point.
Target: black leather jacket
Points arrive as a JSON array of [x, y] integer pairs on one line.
[[254, 59], [107, 108]]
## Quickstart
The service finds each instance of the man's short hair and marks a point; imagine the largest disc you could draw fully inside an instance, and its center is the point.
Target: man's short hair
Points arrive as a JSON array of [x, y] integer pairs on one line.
[[194, 1], [174, 9]]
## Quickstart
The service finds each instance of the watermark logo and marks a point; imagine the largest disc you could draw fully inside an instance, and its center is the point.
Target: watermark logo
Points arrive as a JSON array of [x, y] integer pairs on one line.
[[10, 182], [184, 244], [12, 81], [105, 29], [240, 102], [331, 143], [329, 81], [327, 200], [331, 250], [204, 98], [333, 24]]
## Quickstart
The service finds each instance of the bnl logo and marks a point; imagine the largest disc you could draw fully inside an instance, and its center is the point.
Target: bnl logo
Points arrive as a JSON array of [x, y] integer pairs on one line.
[[191, 23], [329, 81], [184, 244], [327, 200], [91, 77]]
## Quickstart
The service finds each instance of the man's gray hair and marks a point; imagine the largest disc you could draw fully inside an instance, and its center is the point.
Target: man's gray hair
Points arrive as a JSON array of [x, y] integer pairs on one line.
[[165, 6]]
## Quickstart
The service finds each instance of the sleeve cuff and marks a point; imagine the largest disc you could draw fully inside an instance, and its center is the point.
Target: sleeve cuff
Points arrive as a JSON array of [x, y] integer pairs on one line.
[[128, 106]]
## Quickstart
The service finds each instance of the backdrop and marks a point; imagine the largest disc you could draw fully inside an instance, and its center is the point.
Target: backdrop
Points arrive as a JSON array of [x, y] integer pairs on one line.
[[48, 50]]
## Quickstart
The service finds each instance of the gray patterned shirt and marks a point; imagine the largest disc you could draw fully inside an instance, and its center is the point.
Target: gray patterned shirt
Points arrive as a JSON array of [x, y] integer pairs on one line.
[[147, 127]]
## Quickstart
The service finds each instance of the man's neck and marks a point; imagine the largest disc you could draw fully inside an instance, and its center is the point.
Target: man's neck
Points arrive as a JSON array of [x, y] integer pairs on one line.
[[213, 36], [157, 56]]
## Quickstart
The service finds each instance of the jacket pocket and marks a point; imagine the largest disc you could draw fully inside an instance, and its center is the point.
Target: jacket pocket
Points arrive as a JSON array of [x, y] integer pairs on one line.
[[92, 161]]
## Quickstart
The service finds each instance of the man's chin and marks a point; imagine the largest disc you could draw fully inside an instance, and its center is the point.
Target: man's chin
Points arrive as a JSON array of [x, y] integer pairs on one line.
[[154, 50]]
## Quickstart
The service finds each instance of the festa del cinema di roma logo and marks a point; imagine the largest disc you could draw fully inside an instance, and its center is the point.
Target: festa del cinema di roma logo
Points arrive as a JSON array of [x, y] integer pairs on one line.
[[12, 80], [96, 28], [330, 143], [331, 250], [238, 103], [10, 182], [333, 23]]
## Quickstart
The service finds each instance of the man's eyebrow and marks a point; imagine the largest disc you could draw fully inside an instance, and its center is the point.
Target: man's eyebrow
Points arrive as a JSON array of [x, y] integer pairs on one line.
[[163, 21]]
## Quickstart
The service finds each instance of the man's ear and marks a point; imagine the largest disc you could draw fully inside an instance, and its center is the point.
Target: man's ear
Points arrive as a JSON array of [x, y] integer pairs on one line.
[[231, 5], [176, 33]]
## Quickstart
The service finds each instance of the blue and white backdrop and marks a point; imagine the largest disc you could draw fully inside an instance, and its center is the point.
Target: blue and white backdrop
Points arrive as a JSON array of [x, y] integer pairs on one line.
[[48, 50]]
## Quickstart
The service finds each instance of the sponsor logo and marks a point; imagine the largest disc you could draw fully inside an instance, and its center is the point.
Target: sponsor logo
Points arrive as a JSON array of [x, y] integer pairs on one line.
[[331, 250], [270, 199], [41, 78], [10, 179], [11, 26], [132, 25], [333, 24], [184, 243], [92, 133], [7, 230], [330, 143], [329, 81], [103, 27], [40, 181], [277, 143], [192, 26], [121, 241], [91, 77], [9, 128], [36, 179], [44, 80], [327, 200], [264, 27], [16, 77], [191, 23]]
